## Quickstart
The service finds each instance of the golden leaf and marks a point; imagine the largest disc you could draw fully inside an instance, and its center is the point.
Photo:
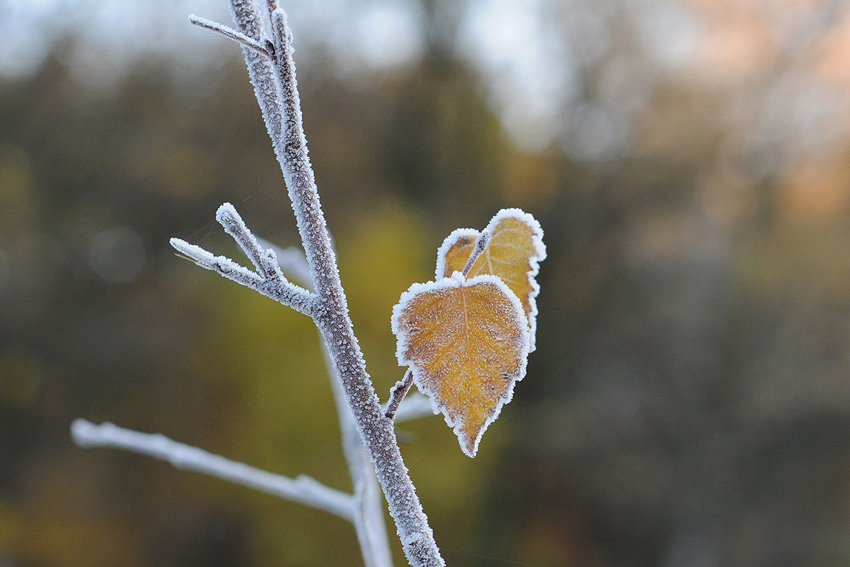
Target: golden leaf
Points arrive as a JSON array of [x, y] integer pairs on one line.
[[513, 253], [466, 342]]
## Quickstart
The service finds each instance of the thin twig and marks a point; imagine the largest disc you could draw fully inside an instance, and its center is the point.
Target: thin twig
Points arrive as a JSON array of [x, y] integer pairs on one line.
[[229, 33], [270, 281], [276, 288], [293, 263], [264, 260], [233, 225], [303, 489]]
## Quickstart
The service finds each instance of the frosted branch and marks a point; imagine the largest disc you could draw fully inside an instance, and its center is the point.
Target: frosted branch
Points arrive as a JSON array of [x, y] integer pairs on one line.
[[264, 260], [270, 280], [229, 33], [303, 489], [369, 522], [292, 262], [276, 89]]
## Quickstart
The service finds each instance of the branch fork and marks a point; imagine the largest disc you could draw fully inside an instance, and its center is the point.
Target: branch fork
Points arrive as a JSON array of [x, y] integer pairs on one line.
[[268, 279]]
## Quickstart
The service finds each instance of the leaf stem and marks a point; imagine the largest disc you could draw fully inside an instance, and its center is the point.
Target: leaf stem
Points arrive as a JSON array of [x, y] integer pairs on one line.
[[397, 394], [414, 406], [480, 245]]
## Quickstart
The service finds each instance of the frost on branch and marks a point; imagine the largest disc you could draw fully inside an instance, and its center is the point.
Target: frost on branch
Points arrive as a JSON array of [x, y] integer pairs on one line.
[[397, 394], [276, 89], [268, 280]]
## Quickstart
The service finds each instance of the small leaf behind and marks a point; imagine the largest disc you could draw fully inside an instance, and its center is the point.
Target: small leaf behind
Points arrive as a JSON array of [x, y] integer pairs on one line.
[[512, 254]]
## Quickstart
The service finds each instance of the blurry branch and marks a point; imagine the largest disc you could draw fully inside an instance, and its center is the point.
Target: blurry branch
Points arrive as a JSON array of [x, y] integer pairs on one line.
[[303, 489], [369, 522], [292, 262]]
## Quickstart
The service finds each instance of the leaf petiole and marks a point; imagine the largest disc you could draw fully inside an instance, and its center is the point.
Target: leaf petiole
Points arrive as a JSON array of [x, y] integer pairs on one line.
[[397, 394], [480, 245]]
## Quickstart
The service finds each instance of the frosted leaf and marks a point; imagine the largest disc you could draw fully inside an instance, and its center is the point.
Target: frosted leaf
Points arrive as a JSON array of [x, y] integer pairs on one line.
[[513, 254], [466, 342]]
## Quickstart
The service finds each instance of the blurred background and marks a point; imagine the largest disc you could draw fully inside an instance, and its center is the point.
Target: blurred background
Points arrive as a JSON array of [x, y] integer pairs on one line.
[[689, 401]]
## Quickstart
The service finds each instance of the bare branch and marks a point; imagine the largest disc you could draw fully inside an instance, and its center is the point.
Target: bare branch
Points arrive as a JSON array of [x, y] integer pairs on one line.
[[369, 524], [304, 490], [293, 263], [263, 260], [276, 288], [221, 264], [229, 33]]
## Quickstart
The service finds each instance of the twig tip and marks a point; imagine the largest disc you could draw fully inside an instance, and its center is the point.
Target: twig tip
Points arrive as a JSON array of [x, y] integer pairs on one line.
[[81, 432], [226, 213]]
